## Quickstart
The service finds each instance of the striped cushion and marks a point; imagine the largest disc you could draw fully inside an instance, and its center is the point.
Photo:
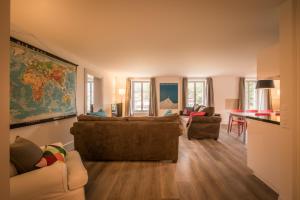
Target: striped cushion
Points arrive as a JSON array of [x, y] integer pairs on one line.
[[52, 153]]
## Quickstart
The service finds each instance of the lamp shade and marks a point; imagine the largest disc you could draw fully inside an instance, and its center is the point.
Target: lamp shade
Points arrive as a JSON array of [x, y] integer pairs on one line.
[[122, 92], [265, 84]]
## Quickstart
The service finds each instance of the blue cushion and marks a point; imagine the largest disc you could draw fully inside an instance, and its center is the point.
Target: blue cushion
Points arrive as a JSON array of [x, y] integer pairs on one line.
[[98, 114], [168, 112]]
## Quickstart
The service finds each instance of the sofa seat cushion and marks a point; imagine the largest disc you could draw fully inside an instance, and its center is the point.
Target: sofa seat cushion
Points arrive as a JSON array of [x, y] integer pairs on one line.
[[77, 174]]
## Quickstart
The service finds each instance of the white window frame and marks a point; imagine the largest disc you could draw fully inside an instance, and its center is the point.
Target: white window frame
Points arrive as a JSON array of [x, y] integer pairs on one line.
[[142, 96], [194, 81], [90, 86], [247, 96]]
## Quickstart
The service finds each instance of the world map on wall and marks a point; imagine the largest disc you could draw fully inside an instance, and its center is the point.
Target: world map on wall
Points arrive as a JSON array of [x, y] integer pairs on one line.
[[41, 86]]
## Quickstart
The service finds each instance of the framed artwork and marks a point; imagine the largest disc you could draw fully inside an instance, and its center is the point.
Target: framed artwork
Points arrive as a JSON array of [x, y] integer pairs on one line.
[[42, 86], [168, 96]]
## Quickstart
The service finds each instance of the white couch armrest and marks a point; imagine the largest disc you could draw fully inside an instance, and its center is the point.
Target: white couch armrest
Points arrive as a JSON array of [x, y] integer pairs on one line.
[[77, 174], [40, 184]]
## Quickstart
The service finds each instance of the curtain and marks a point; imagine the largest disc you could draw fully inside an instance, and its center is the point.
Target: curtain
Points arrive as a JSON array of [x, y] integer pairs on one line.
[[153, 99], [184, 92], [269, 99], [209, 92], [242, 92], [265, 99], [128, 109]]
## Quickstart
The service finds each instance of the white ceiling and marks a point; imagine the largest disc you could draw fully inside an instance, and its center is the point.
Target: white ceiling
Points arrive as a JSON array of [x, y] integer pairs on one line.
[[151, 37]]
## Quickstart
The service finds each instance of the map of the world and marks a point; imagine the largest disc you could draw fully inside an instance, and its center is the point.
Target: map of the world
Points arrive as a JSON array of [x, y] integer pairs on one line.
[[41, 86]]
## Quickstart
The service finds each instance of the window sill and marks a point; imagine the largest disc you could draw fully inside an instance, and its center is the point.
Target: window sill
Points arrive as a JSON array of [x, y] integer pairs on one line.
[[141, 114]]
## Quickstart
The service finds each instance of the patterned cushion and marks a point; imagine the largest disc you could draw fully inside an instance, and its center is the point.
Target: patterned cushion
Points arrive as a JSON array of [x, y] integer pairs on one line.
[[52, 153]]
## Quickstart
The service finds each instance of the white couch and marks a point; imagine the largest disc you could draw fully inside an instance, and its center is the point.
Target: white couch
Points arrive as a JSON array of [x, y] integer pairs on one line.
[[58, 181]]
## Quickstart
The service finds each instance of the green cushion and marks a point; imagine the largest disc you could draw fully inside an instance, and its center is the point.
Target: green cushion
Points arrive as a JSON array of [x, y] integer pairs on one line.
[[168, 112], [100, 113]]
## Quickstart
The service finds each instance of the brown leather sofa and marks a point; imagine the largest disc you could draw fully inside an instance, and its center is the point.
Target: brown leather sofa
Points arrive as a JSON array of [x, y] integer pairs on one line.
[[127, 138], [201, 127]]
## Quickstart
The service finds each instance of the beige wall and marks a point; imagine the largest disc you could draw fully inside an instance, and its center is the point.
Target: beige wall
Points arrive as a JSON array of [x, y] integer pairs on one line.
[[297, 185], [265, 162], [272, 150], [225, 87], [288, 74], [4, 100], [268, 61]]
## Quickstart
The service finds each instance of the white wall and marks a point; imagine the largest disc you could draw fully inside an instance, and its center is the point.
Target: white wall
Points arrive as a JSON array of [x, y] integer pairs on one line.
[[47, 133], [4, 100], [225, 87]]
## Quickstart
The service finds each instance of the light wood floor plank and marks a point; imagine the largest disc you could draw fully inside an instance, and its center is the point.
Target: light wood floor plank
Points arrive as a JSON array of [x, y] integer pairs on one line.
[[206, 169]]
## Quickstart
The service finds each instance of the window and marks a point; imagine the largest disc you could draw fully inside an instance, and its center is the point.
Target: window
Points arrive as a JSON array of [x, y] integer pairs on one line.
[[89, 93], [140, 96], [251, 97], [196, 92]]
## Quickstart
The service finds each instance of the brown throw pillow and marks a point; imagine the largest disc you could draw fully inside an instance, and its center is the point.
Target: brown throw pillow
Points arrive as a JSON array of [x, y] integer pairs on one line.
[[210, 111], [196, 108], [24, 154]]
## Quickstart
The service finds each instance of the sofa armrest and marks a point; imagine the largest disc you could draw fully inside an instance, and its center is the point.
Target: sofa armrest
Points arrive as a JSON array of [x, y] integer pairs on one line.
[[43, 183], [217, 115], [77, 174]]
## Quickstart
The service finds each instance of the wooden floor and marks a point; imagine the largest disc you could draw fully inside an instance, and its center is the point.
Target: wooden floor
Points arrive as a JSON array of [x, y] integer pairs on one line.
[[206, 169]]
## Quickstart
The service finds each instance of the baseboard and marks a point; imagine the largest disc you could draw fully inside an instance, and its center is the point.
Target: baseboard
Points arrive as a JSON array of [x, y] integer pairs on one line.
[[69, 146], [267, 183]]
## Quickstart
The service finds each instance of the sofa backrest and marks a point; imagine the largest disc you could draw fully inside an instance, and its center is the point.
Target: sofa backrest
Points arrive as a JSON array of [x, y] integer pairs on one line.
[[112, 124], [210, 111], [172, 118]]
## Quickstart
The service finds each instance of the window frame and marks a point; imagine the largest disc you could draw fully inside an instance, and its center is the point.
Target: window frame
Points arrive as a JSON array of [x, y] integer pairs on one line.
[[142, 95], [256, 98], [195, 81], [90, 88]]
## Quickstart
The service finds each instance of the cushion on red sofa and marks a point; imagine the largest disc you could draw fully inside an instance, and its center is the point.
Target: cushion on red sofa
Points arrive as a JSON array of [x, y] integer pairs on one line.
[[193, 114]]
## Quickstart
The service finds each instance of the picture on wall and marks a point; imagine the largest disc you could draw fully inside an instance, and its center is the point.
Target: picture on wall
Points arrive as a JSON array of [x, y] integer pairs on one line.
[[168, 96], [42, 86]]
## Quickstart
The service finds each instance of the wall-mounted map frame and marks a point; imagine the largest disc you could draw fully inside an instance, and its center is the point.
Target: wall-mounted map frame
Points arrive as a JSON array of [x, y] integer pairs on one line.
[[42, 86]]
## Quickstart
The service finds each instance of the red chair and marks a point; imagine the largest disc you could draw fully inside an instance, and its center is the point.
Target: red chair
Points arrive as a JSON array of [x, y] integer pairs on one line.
[[240, 121], [252, 111]]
